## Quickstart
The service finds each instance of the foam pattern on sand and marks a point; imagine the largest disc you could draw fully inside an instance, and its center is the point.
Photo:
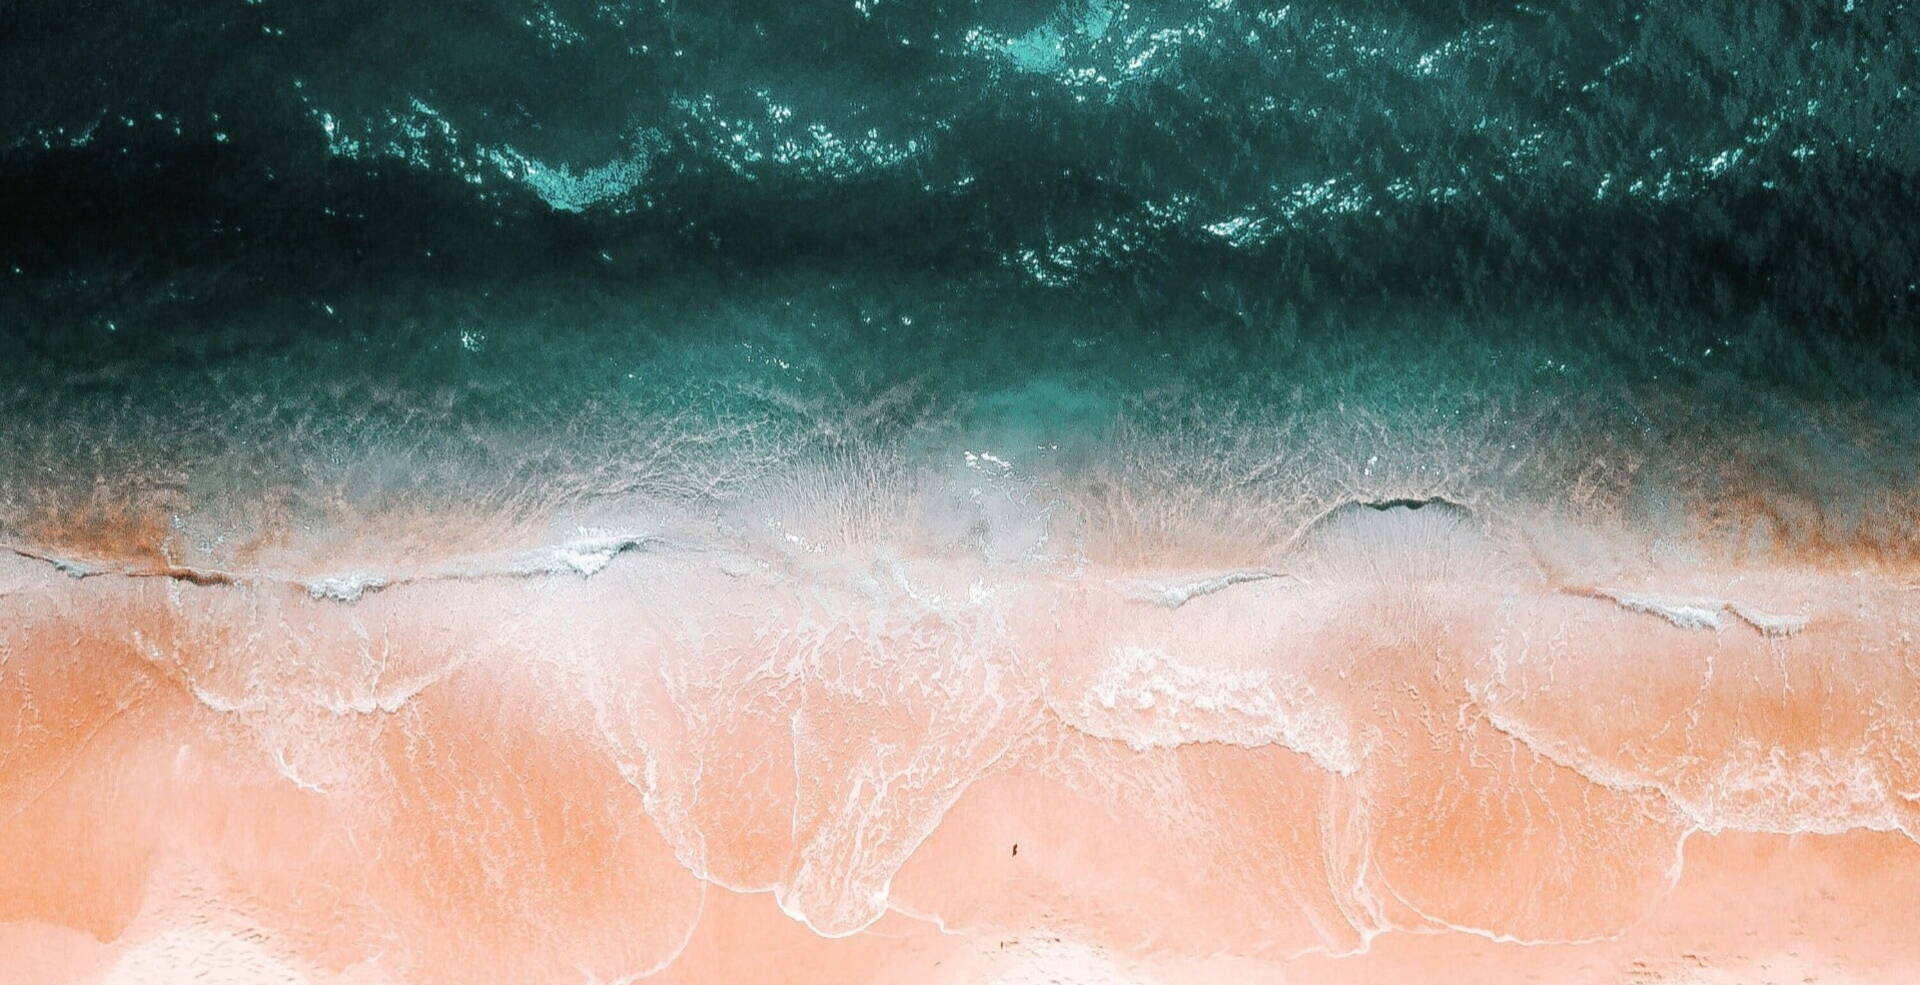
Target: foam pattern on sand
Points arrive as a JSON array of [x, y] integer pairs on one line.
[[1405, 724]]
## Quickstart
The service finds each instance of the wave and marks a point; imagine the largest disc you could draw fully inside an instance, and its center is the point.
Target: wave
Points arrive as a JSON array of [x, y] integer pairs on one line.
[[585, 557]]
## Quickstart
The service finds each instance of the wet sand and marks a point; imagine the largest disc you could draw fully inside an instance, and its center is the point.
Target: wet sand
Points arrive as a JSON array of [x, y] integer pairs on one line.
[[1401, 750]]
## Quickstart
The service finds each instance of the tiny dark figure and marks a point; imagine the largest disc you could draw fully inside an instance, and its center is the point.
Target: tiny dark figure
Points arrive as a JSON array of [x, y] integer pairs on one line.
[[1016, 848]]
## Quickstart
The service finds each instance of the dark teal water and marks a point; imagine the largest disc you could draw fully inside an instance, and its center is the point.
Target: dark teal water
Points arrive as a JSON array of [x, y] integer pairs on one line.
[[1687, 170], [275, 235]]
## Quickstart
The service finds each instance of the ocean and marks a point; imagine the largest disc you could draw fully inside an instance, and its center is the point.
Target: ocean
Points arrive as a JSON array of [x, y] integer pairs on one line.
[[665, 488]]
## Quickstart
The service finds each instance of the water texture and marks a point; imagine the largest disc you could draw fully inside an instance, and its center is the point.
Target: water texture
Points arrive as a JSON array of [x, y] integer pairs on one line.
[[937, 492]]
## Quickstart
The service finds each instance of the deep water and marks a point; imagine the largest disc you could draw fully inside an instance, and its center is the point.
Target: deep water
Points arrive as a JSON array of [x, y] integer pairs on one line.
[[283, 234], [1684, 176]]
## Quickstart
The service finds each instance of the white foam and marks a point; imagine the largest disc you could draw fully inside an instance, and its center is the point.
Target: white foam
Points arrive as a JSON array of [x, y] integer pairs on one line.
[[1176, 594], [1758, 789], [586, 556], [1149, 700], [1767, 623], [1704, 613], [1804, 791], [348, 587], [1684, 613]]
